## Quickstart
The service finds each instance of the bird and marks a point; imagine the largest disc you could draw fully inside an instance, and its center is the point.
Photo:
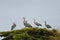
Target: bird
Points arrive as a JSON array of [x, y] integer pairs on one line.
[[36, 23], [13, 26], [47, 25], [26, 24]]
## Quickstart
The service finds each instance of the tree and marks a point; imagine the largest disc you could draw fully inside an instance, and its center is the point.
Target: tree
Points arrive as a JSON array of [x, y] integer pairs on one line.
[[30, 34]]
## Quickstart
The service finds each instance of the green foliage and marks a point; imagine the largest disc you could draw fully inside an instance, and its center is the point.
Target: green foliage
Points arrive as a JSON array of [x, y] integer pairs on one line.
[[31, 34]]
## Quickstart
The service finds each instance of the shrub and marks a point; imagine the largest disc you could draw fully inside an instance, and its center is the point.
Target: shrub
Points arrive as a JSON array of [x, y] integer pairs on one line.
[[30, 34]]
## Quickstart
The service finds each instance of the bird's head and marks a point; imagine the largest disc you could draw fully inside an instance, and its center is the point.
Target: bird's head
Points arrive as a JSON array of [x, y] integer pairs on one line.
[[13, 22], [24, 18]]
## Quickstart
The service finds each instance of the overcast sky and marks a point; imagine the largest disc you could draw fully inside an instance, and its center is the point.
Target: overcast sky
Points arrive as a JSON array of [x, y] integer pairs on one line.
[[13, 11]]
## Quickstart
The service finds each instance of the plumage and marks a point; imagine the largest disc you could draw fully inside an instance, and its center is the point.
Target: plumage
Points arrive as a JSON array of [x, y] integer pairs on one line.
[[36, 23], [13, 26], [48, 26], [25, 23]]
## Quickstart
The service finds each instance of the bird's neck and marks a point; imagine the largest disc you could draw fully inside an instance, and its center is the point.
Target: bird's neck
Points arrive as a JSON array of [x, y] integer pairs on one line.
[[45, 23], [25, 21]]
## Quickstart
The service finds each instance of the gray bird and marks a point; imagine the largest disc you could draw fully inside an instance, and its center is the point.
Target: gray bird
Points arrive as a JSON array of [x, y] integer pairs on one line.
[[36, 23], [25, 23], [48, 26], [13, 26]]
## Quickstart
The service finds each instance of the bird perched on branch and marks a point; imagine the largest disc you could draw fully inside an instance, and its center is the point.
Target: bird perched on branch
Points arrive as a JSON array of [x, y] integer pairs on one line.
[[25, 23], [48, 26], [13, 26], [36, 23]]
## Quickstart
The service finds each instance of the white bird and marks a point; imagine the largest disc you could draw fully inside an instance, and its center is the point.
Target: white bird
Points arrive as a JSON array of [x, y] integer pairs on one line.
[[13, 26], [48, 26], [25, 23], [36, 23]]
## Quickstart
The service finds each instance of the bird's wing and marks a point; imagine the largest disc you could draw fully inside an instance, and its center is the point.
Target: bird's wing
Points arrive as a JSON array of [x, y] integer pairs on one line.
[[38, 24], [48, 26], [13, 26], [29, 25]]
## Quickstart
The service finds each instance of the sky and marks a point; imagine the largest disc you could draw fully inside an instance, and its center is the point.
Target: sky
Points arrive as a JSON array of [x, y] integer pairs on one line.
[[14, 11]]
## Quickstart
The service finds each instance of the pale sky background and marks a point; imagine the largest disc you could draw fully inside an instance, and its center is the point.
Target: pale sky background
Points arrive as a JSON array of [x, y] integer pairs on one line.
[[14, 10]]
